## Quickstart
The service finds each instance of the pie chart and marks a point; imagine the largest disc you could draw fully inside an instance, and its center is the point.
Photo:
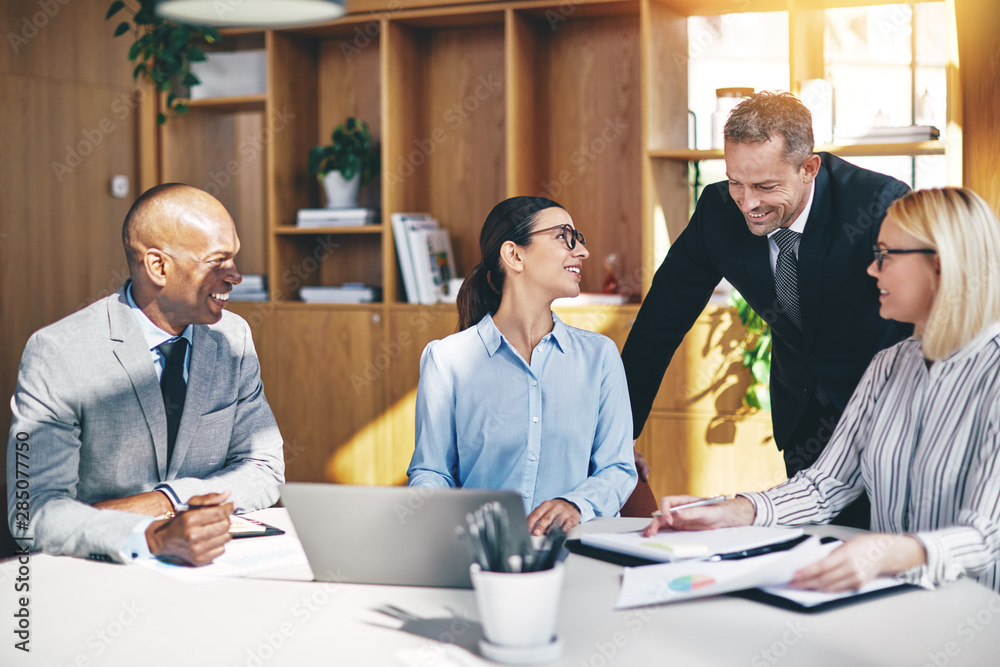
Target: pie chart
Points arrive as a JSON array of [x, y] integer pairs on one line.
[[690, 582]]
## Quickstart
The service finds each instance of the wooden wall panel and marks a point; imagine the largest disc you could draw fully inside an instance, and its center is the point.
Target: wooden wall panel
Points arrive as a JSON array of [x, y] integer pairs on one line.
[[69, 124], [978, 25]]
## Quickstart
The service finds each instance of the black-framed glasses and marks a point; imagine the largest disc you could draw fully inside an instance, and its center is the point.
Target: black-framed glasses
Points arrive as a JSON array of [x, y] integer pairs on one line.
[[570, 235], [880, 253]]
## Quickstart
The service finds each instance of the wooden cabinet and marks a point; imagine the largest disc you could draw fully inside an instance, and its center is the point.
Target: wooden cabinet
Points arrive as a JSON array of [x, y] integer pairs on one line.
[[584, 102]]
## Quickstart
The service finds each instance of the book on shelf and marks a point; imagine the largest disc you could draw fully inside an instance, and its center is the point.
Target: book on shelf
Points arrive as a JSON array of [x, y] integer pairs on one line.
[[346, 293], [403, 224], [253, 287], [336, 217], [884, 135], [433, 263]]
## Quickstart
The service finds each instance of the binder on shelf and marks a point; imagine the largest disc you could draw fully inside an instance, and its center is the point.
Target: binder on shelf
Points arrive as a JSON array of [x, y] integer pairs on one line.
[[403, 225], [336, 217]]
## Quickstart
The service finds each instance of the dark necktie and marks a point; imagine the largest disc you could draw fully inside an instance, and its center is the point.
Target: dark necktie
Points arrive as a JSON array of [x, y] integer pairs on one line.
[[786, 275], [173, 388], [786, 286]]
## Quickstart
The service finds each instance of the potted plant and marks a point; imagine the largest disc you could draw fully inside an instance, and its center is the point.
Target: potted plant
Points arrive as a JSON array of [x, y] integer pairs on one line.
[[350, 161], [163, 50], [756, 352]]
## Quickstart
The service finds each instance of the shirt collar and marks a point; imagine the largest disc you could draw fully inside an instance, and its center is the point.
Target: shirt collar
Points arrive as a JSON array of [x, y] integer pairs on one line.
[[153, 334], [799, 224], [492, 337]]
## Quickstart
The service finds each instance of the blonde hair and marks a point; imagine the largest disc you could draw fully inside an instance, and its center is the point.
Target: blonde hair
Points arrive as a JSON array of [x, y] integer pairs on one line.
[[965, 233]]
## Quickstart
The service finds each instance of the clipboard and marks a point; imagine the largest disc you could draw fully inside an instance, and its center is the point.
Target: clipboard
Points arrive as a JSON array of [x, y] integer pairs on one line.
[[630, 560], [241, 526], [758, 595]]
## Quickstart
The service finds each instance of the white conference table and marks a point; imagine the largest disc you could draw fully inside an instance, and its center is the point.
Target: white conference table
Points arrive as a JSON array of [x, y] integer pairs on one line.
[[92, 613]]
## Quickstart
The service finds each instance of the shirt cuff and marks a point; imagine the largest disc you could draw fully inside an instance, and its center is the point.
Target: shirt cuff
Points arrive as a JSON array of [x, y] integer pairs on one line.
[[585, 509], [763, 509], [171, 495], [136, 547]]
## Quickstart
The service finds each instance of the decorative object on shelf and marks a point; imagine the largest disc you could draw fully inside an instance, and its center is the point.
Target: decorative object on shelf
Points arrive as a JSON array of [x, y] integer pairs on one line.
[[251, 13], [163, 50], [756, 349], [725, 100], [610, 284], [337, 217], [350, 161]]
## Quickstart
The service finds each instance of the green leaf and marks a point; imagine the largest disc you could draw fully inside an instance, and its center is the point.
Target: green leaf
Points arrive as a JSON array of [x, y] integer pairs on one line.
[[115, 7], [180, 107], [122, 28], [161, 119], [761, 370], [190, 80], [139, 69], [133, 51], [763, 394], [196, 54]]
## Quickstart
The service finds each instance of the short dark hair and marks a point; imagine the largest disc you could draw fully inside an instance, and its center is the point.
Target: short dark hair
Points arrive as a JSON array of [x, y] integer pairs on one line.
[[764, 114]]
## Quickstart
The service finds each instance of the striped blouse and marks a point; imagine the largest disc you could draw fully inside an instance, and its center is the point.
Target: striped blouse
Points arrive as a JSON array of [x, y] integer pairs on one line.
[[924, 444]]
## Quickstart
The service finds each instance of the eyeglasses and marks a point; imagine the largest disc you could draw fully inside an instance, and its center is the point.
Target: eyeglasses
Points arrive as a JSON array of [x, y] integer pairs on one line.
[[570, 235], [880, 253]]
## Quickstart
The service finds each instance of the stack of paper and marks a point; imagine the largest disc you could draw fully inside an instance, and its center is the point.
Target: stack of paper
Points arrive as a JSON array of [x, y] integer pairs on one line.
[[426, 260], [346, 293], [336, 217], [884, 135], [252, 288]]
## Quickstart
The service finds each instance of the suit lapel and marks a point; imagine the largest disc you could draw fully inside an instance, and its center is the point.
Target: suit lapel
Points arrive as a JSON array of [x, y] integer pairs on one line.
[[757, 258], [812, 255], [133, 354], [201, 379]]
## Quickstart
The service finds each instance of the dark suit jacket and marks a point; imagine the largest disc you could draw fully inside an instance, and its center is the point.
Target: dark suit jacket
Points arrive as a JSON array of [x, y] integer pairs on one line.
[[842, 330]]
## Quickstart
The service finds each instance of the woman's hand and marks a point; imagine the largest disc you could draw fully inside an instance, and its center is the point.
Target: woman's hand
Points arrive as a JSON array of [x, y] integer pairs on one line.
[[557, 511], [859, 560], [732, 512]]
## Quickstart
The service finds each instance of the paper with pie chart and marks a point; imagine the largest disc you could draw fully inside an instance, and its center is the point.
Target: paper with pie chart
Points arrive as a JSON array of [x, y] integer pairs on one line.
[[684, 580]]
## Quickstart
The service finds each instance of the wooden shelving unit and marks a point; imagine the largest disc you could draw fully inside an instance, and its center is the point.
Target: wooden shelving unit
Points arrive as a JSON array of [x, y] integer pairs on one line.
[[583, 102]]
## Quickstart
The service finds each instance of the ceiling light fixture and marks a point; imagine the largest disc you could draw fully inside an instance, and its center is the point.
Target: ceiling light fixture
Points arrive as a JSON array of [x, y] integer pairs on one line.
[[250, 13]]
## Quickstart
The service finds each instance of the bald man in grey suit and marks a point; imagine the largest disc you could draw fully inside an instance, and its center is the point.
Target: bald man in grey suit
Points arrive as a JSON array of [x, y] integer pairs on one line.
[[99, 476]]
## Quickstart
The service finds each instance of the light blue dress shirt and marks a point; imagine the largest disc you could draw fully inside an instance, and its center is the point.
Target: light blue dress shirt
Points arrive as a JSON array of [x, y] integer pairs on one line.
[[136, 547], [560, 427]]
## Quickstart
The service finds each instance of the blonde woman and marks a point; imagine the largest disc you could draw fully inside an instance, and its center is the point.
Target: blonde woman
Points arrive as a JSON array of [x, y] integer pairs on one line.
[[921, 433]]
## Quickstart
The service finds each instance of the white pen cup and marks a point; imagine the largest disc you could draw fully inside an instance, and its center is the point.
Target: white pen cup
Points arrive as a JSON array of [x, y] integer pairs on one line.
[[518, 609]]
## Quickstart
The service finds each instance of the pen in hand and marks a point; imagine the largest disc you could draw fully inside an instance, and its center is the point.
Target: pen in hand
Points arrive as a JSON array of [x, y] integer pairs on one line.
[[697, 503]]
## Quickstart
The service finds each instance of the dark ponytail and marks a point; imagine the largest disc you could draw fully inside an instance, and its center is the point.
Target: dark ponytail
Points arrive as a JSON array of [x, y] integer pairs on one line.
[[510, 220]]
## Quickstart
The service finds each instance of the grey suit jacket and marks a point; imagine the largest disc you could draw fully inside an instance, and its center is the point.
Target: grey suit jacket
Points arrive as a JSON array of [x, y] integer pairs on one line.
[[89, 407]]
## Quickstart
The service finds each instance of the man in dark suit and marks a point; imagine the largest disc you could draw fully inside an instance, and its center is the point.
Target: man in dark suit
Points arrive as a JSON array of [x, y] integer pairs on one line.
[[792, 231], [146, 402]]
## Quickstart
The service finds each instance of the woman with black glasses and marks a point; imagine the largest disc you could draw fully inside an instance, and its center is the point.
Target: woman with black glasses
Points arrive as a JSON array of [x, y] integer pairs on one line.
[[516, 399], [921, 433]]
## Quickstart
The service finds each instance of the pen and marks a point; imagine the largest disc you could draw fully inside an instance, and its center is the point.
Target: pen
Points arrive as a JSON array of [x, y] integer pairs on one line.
[[696, 503]]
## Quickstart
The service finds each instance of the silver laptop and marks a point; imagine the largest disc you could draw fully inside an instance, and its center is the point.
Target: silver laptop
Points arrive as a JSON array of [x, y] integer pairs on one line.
[[390, 534]]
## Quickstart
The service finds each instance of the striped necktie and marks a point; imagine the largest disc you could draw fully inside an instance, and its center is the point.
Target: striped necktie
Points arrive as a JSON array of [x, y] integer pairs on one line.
[[786, 275]]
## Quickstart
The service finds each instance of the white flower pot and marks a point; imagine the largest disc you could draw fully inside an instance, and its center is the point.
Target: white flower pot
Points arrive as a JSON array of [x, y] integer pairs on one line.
[[341, 193]]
